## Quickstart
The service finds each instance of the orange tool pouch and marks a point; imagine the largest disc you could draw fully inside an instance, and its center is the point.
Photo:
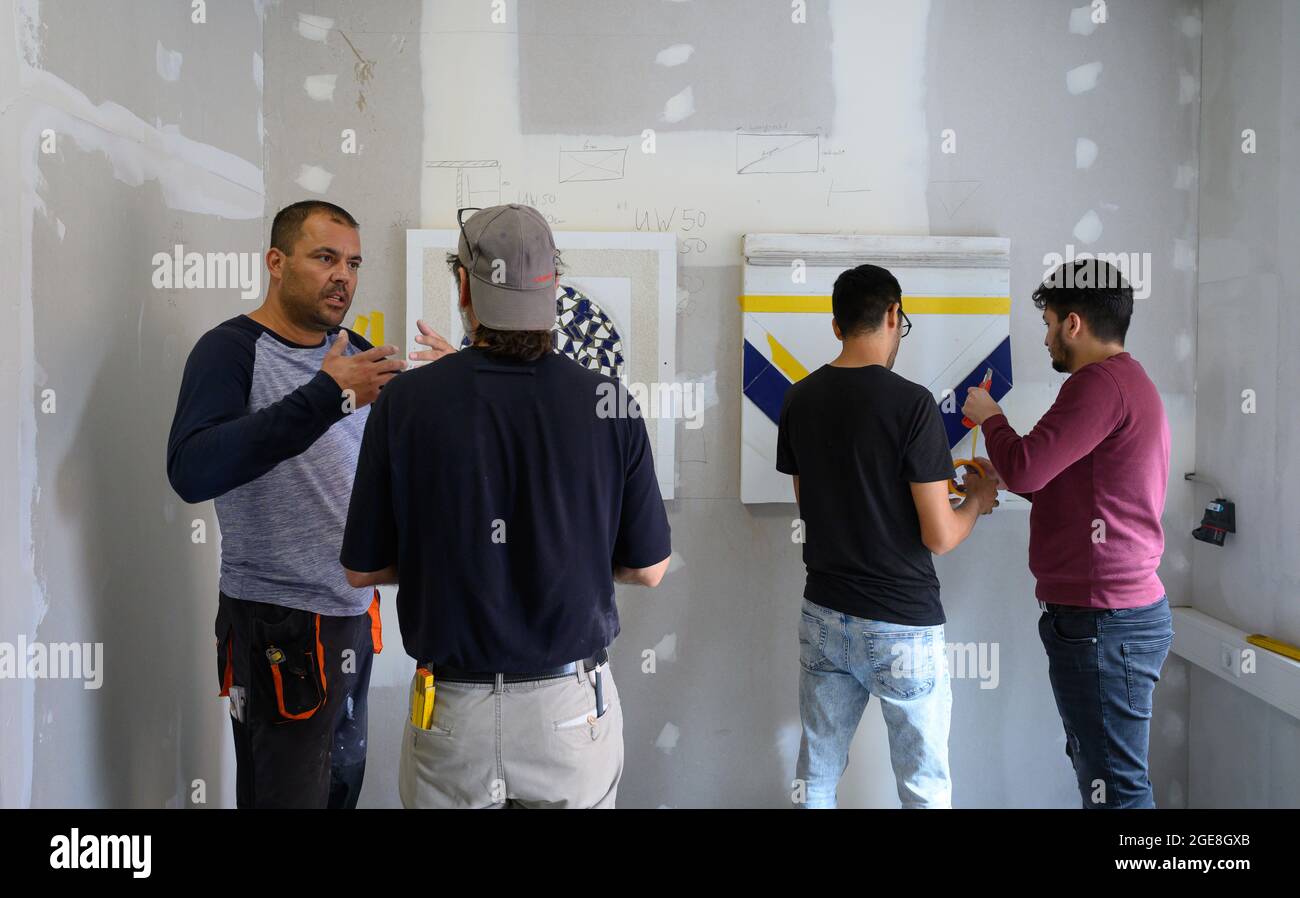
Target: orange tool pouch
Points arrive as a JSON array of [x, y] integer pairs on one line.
[[376, 624]]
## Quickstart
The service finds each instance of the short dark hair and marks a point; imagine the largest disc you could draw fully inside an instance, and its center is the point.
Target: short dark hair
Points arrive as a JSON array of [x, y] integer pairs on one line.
[[861, 297], [527, 346], [1094, 290], [286, 227]]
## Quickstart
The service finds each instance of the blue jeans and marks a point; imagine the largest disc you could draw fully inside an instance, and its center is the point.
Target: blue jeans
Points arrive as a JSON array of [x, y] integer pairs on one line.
[[843, 661], [1104, 666]]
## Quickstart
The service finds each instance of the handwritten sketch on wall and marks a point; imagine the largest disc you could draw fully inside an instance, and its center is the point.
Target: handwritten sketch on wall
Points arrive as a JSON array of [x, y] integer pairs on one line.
[[956, 291], [616, 312]]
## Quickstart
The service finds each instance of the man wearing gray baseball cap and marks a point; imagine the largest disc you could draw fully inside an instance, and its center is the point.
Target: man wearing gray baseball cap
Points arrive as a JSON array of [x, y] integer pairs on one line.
[[495, 489]]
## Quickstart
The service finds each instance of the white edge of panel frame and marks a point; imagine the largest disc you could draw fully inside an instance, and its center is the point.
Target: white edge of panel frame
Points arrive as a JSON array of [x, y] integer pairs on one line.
[[843, 250]]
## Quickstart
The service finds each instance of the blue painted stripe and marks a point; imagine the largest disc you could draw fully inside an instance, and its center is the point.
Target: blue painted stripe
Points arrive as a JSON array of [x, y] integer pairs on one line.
[[764, 383], [1000, 361]]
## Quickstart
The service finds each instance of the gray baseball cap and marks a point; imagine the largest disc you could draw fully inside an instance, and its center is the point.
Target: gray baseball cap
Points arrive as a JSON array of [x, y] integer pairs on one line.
[[509, 255]]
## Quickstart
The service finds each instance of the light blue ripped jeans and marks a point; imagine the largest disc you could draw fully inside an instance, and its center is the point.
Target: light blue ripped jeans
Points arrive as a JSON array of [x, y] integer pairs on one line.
[[843, 661]]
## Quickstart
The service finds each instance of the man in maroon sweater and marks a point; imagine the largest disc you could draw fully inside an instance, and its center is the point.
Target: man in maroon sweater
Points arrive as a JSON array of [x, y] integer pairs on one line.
[[1095, 467]]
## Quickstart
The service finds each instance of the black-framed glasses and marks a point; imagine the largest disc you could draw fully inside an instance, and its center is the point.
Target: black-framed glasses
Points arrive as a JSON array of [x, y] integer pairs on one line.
[[460, 222], [906, 326]]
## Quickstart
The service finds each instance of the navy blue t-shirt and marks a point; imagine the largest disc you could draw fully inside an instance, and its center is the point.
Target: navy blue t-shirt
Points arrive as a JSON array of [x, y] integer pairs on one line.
[[506, 497]]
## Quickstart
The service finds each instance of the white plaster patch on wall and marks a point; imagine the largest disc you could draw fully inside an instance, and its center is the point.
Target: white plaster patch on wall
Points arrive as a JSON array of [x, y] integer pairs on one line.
[[28, 28], [1184, 255], [679, 107], [710, 382], [787, 744], [1109, 207], [259, 69], [1081, 79], [1174, 725], [320, 87], [1189, 88], [194, 176], [1190, 25], [674, 55], [18, 736], [1183, 351], [1177, 794], [1085, 152], [314, 28], [1088, 229], [313, 178], [168, 63], [707, 389], [676, 562], [668, 738], [666, 648], [61, 227], [1185, 177], [1081, 20]]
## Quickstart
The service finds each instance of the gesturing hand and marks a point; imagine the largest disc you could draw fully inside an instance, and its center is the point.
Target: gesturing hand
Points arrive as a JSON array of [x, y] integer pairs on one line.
[[364, 373], [438, 347]]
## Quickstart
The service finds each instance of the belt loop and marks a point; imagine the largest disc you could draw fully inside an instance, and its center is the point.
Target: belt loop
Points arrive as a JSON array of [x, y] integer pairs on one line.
[[581, 672], [499, 686]]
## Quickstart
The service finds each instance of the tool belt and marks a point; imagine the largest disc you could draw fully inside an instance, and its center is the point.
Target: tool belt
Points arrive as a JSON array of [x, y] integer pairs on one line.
[[445, 674]]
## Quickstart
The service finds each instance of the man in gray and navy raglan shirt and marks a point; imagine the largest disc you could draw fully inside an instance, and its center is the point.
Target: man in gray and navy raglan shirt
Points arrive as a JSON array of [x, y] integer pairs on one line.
[[268, 423]]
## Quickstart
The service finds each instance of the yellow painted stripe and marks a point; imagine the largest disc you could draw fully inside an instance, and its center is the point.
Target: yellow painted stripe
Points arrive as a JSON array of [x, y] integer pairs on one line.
[[912, 305], [788, 364], [957, 305]]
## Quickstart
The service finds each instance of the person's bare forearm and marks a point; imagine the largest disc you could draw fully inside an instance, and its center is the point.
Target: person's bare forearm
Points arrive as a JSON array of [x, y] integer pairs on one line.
[[964, 515], [645, 576], [388, 575]]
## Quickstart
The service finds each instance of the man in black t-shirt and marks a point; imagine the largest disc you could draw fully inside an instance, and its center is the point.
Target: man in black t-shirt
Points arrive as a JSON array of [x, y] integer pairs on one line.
[[871, 465], [495, 490]]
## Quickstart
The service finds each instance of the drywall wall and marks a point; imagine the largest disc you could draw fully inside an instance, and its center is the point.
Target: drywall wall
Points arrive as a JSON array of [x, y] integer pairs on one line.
[[508, 111], [1065, 133], [131, 128], [1107, 169], [1243, 752]]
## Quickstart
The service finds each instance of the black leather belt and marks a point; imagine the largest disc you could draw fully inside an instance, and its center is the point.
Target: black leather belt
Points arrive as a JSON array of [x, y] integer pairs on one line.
[[443, 673], [1053, 606]]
